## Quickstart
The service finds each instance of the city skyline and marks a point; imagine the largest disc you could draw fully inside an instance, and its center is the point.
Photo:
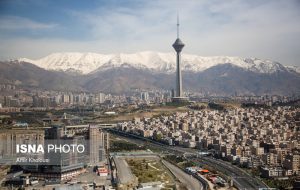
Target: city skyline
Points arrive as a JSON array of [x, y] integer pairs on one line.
[[121, 95], [253, 29]]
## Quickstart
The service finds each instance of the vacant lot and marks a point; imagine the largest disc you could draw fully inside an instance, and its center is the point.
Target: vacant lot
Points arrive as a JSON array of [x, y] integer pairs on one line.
[[150, 170]]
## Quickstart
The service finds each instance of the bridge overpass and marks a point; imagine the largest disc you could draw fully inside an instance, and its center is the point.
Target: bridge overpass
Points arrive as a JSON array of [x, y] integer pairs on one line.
[[101, 125]]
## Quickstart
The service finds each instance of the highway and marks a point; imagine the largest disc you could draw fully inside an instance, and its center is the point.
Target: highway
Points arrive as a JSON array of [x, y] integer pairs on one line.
[[188, 180], [241, 179]]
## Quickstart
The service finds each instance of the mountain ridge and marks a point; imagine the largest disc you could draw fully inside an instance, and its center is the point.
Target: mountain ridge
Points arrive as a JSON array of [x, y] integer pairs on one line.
[[88, 63], [222, 79]]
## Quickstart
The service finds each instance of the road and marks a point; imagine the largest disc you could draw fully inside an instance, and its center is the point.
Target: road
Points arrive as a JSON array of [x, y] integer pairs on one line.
[[124, 172], [241, 179], [188, 180]]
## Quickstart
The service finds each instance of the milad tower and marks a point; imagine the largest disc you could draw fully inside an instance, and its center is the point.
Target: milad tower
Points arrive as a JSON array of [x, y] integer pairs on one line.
[[178, 46]]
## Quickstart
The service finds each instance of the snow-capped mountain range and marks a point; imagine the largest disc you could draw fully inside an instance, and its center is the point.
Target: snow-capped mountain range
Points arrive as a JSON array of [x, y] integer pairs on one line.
[[118, 73], [86, 63]]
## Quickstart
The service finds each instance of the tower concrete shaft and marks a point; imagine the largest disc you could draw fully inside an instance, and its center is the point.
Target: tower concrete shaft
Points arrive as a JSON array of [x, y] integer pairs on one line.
[[178, 76]]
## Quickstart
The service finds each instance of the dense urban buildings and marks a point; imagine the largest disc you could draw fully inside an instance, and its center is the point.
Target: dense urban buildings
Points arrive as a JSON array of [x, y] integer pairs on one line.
[[16, 100], [266, 138], [13, 100]]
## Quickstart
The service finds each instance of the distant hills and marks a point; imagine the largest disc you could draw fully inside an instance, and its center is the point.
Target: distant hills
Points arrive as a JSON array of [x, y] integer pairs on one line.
[[117, 73]]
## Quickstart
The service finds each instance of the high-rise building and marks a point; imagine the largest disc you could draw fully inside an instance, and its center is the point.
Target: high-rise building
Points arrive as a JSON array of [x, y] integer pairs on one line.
[[71, 98], [9, 101], [101, 98], [178, 46], [42, 101], [145, 96], [57, 99], [292, 162], [96, 145], [65, 98], [10, 137]]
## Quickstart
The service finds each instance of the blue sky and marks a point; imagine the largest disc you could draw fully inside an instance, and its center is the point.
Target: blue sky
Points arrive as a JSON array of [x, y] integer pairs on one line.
[[267, 29]]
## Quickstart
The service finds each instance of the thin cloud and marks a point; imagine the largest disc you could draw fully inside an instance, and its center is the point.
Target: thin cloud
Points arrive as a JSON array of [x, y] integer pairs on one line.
[[17, 23]]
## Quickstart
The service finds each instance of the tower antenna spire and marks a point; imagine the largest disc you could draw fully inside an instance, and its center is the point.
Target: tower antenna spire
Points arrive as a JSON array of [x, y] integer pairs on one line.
[[177, 25]]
